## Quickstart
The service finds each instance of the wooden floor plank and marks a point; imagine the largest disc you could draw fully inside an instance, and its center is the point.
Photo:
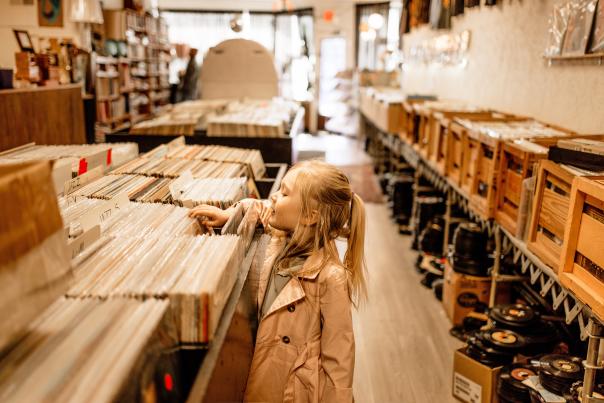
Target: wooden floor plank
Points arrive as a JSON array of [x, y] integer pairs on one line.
[[404, 350]]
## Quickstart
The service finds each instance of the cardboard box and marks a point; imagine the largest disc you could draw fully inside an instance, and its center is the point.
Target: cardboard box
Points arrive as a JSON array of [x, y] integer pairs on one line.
[[462, 293], [34, 260], [473, 382]]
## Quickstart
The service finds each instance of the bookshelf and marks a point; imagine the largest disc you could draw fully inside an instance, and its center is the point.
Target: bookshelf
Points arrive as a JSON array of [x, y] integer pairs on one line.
[[135, 87]]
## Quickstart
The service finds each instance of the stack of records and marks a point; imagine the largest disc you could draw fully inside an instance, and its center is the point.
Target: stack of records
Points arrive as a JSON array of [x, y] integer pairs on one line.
[[250, 157], [85, 351], [510, 386], [174, 167], [119, 154], [495, 347], [558, 372], [195, 273], [221, 193], [133, 219], [515, 129], [540, 335], [138, 188]]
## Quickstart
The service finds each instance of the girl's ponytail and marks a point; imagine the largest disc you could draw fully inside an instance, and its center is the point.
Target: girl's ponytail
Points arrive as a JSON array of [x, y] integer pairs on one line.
[[354, 259]]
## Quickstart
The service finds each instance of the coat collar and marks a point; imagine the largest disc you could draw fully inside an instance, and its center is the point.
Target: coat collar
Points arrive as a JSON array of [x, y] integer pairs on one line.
[[293, 290]]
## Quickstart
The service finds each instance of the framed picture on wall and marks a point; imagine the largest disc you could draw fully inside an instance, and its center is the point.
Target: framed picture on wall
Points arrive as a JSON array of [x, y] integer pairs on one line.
[[24, 41], [50, 13]]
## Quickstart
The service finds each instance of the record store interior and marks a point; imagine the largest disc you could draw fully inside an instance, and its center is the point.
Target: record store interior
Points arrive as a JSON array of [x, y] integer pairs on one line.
[[302, 201]]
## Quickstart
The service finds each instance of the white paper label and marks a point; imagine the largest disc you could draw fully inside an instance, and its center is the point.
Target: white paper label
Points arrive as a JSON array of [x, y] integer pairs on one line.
[[84, 179], [178, 186], [103, 212], [465, 389], [82, 242], [97, 159]]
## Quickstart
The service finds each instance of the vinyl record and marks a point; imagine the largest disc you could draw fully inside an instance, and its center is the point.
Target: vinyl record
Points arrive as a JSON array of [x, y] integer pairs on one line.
[[514, 315], [503, 339], [558, 372], [562, 366], [509, 385], [536, 397], [487, 355]]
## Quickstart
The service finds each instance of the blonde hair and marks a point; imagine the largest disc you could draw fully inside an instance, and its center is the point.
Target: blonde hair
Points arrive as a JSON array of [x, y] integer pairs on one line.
[[341, 214]]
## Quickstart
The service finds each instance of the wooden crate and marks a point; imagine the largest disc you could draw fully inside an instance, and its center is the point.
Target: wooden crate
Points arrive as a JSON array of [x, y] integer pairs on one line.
[[516, 164], [387, 116], [440, 132], [481, 162], [549, 212], [456, 144], [582, 260], [456, 138], [410, 121], [481, 155]]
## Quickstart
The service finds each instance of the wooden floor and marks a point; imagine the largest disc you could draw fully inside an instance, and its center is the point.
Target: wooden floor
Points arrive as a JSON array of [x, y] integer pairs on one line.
[[404, 352]]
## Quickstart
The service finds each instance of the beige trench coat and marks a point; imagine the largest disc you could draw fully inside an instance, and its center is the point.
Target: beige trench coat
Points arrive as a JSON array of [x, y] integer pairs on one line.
[[305, 344]]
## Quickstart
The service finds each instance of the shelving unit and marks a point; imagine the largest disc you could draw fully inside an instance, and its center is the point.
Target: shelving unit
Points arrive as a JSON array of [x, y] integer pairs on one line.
[[532, 268], [143, 75]]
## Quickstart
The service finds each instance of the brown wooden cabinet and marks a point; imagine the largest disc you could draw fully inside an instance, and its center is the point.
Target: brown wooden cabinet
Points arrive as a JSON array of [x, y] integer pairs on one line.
[[45, 115]]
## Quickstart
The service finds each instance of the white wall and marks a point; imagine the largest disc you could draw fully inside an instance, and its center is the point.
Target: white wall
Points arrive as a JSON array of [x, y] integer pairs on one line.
[[506, 70], [26, 18]]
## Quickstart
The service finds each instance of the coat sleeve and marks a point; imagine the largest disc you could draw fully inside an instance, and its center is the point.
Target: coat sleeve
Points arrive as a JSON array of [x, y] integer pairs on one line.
[[337, 337], [259, 205]]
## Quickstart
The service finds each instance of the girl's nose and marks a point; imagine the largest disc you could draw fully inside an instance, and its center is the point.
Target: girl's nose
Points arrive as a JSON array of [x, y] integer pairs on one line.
[[273, 197]]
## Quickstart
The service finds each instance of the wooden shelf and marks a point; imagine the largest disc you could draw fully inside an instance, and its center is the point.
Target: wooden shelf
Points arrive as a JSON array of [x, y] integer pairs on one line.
[[115, 119], [139, 118], [106, 60], [103, 74], [108, 98]]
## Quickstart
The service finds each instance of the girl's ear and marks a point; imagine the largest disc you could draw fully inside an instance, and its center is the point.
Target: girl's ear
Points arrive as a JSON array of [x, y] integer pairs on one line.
[[311, 219]]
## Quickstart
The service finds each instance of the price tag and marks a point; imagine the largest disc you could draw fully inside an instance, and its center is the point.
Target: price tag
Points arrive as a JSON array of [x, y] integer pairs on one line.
[[81, 180]]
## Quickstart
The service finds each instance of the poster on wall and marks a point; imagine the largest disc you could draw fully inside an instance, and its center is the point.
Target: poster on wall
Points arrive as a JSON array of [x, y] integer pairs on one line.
[[50, 13]]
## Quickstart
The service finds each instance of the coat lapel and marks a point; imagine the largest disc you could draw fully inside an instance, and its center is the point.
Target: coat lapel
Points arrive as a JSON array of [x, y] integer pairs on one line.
[[273, 249], [292, 292]]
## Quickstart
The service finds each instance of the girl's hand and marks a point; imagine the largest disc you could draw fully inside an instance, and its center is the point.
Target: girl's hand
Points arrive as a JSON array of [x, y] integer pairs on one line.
[[264, 213], [210, 216]]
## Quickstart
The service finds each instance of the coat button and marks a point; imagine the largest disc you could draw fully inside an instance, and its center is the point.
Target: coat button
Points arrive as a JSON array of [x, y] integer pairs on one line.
[[285, 339], [291, 308]]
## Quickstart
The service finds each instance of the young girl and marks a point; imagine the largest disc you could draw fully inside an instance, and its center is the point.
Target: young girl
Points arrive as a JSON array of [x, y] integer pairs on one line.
[[305, 343]]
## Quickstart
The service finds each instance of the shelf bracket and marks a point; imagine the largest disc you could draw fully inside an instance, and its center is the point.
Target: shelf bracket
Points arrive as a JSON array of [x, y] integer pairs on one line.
[[547, 286], [558, 297], [535, 273], [571, 313]]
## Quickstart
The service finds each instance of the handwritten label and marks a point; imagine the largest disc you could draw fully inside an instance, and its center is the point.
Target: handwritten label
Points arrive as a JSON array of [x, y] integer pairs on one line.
[[82, 242], [84, 179], [102, 213]]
